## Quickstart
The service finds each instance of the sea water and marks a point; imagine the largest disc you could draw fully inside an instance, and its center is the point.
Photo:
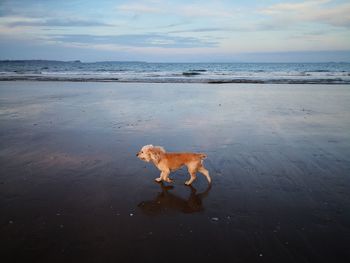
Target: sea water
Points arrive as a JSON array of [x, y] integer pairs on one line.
[[323, 73]]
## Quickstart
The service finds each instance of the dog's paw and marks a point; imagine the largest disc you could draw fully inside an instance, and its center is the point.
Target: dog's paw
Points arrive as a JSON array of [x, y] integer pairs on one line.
[[169, 180], [187, 183], [158, 180]]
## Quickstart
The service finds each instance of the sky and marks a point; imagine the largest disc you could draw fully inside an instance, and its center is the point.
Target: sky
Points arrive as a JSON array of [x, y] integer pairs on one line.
[[176, 31]]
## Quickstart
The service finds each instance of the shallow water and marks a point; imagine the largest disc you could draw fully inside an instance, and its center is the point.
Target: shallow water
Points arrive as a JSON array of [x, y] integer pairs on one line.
[[286, 73], [72, 189]]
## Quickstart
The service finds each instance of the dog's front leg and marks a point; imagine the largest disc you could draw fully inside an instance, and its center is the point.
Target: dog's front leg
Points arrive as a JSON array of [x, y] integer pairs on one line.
[[163, 177], [166, 177], [160, 178]]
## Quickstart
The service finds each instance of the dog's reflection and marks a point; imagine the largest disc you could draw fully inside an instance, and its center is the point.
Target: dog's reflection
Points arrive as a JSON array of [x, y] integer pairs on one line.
[[167, 202]]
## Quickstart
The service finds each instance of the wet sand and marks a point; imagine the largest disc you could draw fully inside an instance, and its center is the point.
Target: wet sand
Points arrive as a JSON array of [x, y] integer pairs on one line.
[[72, 189]]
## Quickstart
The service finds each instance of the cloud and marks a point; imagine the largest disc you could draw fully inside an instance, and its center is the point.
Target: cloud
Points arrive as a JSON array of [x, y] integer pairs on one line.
[[204, 11], [29, 8], [182, 10], [281, 7], [320, 11], [57, 23], [138, 8], [136, 40], [199, 30], [247, 27]]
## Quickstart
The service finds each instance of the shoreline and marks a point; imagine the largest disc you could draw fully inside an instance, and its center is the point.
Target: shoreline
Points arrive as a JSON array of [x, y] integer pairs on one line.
[[322, 81]]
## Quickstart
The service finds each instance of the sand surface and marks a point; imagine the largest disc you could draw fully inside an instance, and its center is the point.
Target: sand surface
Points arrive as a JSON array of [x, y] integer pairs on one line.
[[72, 189]]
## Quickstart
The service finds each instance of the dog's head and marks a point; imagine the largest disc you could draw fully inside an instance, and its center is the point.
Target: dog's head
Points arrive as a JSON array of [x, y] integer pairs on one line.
[[150, 153]]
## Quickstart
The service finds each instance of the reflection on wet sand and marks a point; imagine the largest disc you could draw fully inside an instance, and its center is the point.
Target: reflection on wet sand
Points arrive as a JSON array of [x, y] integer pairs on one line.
[[70, 184], [168, 201]]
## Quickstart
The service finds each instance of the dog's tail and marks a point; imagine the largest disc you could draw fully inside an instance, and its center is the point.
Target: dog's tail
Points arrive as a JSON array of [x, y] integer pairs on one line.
[[202, 156]]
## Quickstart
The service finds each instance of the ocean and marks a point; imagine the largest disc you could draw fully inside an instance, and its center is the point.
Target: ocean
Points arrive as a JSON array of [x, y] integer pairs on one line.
[[293, 73]]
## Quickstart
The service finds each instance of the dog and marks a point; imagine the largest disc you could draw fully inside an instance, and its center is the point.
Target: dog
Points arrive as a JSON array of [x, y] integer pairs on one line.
[[167, 162]]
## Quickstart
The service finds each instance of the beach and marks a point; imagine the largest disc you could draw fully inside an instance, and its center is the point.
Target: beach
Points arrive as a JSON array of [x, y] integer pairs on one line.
[[72, 189]]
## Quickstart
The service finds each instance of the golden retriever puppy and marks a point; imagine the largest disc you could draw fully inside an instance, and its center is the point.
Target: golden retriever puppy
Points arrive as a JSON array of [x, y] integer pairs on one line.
[[167, 162]]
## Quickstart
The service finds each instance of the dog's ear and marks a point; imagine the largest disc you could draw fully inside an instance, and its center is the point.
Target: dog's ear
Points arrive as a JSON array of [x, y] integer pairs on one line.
[[161, 149], [156, 154]]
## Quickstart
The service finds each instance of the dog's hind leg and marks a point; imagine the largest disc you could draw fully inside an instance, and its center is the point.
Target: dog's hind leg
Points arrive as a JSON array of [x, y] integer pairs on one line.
[[192, 172], [205, 172]]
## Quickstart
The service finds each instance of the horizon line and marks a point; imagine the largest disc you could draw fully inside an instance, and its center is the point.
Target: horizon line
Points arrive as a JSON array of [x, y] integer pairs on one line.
[[172, 62]]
